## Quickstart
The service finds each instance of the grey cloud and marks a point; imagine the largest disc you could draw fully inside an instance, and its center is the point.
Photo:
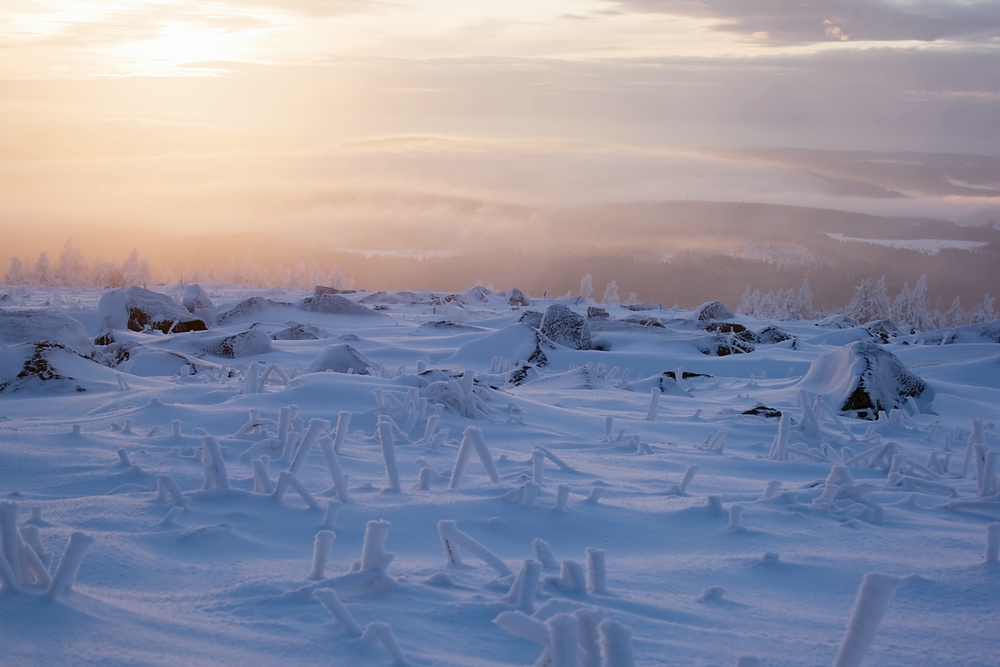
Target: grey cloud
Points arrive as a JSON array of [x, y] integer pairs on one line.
[[807, 21]]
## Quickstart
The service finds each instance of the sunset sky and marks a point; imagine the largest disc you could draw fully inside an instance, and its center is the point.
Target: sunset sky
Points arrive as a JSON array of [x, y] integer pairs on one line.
[[318, 115]]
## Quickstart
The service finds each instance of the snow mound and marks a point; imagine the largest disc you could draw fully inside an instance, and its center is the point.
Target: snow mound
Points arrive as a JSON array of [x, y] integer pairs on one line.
[[862, 377], [517, 298], [582, 377], [50, 367], [838, 322], [565, 327], [252, 306], [196, 298], [247, 343], [152, 362], [341, 359], [713, 310], [515, 342], [972, 333], [31, 326], [333, 304], [298, 331], [140, 309]]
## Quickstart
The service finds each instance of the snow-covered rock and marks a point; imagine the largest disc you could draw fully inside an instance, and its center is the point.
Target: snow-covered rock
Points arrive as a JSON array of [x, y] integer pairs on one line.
[[323, 289], [517, 298], [51, 368], [515, 342], [333, 304], [30, 326], [565, 327], [298, 331], [140, 309], [713, 310], [249, 343], [339, 359], [254, 306], [885, 330], [196, 298], [532, 318], [838, 322], [972, 333], [597, 313], [771, 335], [861, 377]]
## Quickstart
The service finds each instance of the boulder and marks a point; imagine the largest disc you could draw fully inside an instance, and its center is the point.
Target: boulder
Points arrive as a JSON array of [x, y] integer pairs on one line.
[[252, 306], [861, 377], [517, 298], [31, 326], [323, 289], [988, 332], [771, 335], [884, 330], [50, 368], [713, 310], [597, 313], [297, 331], [515, 342], [838, 322], [532, 318], [340, 359], [565, 327], [139, 309], [247, 343], [196, 298], [333, 304]]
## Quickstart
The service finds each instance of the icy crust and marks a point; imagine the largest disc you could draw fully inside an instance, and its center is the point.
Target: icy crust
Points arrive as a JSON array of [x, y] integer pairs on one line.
[[972, 333], [29, 326], [862, 377], [140, 309], [565, 327]]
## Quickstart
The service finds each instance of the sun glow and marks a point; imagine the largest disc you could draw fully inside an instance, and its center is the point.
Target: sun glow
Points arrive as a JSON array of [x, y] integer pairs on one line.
[[181, 44]]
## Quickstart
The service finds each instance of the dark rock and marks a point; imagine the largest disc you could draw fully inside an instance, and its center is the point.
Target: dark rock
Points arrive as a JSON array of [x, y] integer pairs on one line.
[[737, 330], [838, 322], [686, 375], [597, 313], [644, 321], [44, 366], [640, 307], [770, 335], [565, 327], [713, 310], [761, 410], [139, 309], [323, 289], [884, 330]]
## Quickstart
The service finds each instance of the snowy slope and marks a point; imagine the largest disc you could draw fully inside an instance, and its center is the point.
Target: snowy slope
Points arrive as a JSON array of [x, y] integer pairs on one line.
[[222, 573]]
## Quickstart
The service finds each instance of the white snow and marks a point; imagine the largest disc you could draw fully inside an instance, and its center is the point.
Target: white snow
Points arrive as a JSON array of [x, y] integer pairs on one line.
[[926, 246], [207, 510]]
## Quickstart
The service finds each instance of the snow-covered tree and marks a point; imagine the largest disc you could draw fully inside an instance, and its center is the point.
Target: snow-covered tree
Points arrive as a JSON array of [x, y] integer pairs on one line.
[[954, 316], [611, 294], [136, 271], [910, 307], [18, 273], [587, 286], [105, 274], [749, 303], [632, 299], [44, 275], [984, 311], [73, 270], [336, 278]]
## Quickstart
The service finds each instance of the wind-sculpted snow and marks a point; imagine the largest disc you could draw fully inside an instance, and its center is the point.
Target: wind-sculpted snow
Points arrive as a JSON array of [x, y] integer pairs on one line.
[[465, 489]]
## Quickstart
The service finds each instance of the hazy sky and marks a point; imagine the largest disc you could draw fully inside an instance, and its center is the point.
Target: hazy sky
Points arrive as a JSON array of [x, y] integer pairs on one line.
[[226, 115]]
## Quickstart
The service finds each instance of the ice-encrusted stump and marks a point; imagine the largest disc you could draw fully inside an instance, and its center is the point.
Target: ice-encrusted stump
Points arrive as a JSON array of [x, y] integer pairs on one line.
[[196, 298], [713, 310], [861, 377], [139, 309], [341, 358], [565, 327]]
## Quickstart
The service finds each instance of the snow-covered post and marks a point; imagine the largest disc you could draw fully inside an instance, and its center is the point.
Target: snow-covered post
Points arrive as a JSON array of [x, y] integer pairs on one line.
[[562, 640], [780, 445], [284, 419], [873, 599], [286, 480], [654, 400], [10, 539], [215, 467], [572, 578], [69, 564], [332, 512], [452, 538], [977, 437], [343, 422], [609, 429], [373, 554], [522, 591], [993, 543], [389, 456], [689, 474], [597, 578], [322, 544], [472, 439], [988, 478], [530, 494], [333, 464], [537, 466], [587, 620], [175, 428], [329, 599], [261, 480], [484, 453], [123, 457], [735, 517], [543, 554], [562, 497], [309, 439], [432, 424], [616, 644], [383, 633], [252, 383]]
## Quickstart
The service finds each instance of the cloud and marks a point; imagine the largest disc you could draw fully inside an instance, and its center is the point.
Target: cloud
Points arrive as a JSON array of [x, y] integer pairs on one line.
[[810, 21]]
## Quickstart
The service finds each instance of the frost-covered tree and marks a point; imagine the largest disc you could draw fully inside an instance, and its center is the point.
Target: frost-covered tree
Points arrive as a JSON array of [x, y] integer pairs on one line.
[[587, 286], [44, 275], [749, 303], [871, 302], [954, 316], [633, 299], [984, 312], [72, 270], [611, 294], [105, 274], [135, 271], [802, 307], [910, 307], [336, 278], [18, 273]]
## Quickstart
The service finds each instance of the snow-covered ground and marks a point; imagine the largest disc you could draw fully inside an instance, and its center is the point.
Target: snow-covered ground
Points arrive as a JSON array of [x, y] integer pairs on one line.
[[926, 246], [582, 456]]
